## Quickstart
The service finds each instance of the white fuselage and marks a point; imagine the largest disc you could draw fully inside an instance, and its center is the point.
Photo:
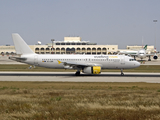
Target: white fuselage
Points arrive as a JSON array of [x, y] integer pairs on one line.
[[142, 53], [129, 52], [105, 61]]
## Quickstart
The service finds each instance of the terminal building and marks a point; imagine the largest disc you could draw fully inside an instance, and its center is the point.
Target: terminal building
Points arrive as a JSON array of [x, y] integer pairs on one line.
[[70, 45]]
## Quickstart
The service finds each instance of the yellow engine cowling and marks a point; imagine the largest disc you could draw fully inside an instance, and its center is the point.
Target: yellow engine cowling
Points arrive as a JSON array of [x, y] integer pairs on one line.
[[92, 70], [96, 69]]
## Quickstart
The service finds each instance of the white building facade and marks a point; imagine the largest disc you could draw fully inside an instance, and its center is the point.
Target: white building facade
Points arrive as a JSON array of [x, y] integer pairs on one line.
[[70, 45]]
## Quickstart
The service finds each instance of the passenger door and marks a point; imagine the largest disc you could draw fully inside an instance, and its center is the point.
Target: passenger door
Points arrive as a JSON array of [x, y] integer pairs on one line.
[[36, 60], [122, 60]]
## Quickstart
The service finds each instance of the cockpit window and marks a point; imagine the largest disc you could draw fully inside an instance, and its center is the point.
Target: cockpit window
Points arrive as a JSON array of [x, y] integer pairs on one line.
[[141, 53], [132, 60]]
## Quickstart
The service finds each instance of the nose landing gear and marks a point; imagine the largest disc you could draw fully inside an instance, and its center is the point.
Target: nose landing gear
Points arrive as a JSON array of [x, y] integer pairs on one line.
[[149, 58], [122, 72]]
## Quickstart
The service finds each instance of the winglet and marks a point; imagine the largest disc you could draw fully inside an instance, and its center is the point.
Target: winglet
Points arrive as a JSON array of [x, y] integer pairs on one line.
[[59, 62]]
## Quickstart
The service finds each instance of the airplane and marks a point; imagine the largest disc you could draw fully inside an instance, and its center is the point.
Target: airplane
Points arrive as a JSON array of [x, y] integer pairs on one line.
[[140, 54], [89, 64], [131, 52]]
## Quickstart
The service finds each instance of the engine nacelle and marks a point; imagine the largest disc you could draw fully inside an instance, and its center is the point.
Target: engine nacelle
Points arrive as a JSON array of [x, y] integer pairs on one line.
[[155, 57], [92, 70], [68, 67]]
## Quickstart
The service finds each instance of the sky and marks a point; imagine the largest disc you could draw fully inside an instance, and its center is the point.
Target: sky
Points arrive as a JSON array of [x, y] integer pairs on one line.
[[108, 22]]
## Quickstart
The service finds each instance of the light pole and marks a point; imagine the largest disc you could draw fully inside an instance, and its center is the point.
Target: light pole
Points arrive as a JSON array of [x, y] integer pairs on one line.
[[155, 32], [52, 44]]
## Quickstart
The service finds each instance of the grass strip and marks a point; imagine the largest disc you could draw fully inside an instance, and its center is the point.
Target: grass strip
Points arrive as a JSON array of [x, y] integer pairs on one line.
[[17, 67], [59, 100]]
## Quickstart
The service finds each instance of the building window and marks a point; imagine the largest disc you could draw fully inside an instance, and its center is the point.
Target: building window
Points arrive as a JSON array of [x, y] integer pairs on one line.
[[109, 53], [12, 53], [62, 43], [98, 48], [104, 49], [42, 48], [57, 43], [70, 50], [57, 48], [37, 49], [47, 48], [83, 48], [78, 48], [88, 48], [93, 48], [62, 48]]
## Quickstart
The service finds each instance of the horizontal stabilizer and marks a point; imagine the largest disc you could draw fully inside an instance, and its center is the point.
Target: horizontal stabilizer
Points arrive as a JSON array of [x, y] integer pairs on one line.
[[18, 59]]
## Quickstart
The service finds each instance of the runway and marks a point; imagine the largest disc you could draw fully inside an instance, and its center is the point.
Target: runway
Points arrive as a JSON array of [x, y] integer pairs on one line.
[[70, 77]]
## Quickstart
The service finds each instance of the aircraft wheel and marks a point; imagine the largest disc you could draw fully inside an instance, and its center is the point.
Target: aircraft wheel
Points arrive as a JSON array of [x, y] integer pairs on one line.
[[77, 73], [122, 74]]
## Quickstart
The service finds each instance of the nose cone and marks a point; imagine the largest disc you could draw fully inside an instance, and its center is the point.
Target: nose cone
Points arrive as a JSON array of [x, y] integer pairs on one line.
[[137, 64]]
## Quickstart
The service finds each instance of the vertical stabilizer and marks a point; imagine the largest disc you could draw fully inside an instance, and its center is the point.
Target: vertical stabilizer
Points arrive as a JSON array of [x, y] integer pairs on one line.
[[145, 47], [20, 45]]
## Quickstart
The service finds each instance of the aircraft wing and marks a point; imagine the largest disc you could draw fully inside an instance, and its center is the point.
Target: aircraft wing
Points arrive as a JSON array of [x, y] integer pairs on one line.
[[147, 55], [75, 64], [134, 55], [150, 55]]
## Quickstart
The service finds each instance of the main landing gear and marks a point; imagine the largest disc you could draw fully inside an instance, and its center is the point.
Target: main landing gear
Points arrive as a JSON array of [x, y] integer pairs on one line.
[[122, 72], [77, 73], [149, 58]]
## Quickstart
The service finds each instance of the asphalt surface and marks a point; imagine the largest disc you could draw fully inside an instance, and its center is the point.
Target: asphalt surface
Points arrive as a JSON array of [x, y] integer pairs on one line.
[[70, 77]]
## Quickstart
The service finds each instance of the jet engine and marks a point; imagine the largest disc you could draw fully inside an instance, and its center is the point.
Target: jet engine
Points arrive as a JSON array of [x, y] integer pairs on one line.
[[155, 57], [68, 67], [92, 70]]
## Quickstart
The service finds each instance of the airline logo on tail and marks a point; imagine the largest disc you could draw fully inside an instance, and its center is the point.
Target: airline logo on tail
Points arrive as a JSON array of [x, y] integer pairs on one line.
[[145, 47]]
